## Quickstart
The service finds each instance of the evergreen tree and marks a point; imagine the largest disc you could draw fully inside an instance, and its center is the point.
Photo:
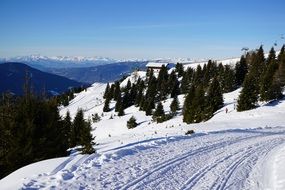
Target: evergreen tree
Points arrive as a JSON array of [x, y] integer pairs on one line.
[[186, 80], [269, 89], [96, 118], [249, 94], [162, 82], [179, 69], [118, 103], [199, 104], [139, 96], [117, 90], [214, 98], [121, 111], [159, 114], [106, 93], [82, 133], [279, 77], [132, 123], [106, 107], [188, 109], [86, 139], [67, 130], [198, 76], [240, 71], [228, 81], [174, 106]]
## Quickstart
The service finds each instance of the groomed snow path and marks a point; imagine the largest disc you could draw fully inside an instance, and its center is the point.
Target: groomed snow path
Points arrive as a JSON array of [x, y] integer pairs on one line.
[[215, 160]]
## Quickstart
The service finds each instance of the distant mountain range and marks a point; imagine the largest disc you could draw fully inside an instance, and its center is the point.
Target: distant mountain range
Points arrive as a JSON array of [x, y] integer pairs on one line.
[[42, 62], [99, 73], [87, 69], [12, 79]]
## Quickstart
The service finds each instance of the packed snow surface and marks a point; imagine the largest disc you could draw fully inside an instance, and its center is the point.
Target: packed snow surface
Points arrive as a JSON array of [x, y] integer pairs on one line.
[[233, 150]]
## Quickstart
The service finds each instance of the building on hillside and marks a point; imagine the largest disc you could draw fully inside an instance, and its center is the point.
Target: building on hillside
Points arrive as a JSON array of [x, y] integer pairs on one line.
[[155, 66]]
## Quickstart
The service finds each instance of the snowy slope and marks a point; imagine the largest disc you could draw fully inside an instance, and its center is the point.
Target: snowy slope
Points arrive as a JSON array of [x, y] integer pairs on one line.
[[230, 151]]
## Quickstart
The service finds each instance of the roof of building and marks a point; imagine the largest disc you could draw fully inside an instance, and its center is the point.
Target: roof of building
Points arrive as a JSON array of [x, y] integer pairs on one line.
[[154, 64]]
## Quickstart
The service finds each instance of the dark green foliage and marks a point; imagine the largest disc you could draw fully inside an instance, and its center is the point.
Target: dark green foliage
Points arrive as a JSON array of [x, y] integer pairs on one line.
[[249, 95], [132, 123], [162, 79], [186, 80], [139, 96], [189, 132], [117, 91], [279, 77], [66, 130], [106, 93], [199, 104], [214, 98], [269, 89], [81, 133], [228, 79], [194, 109], [179, 69], [96, 118], [119, 103], [32, 130], [188, 109], [121, 111], [173, 85], [198, 76], [159, 111], [106, 107], [240, 71], [174, 106]]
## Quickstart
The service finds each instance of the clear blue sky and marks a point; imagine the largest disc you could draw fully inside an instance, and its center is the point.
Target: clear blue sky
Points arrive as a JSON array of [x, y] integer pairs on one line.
[[139, 28]]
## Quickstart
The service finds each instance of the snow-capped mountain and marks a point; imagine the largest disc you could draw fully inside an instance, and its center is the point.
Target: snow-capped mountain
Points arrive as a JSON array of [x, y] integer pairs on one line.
[[60, 61]]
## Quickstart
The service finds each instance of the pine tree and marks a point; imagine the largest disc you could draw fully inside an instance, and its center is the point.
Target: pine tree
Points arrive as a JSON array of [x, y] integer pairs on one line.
[[106, 107], [199, 104], [118, 103], [240, 71], [249, 94], [186, 80], [67, 130], [188, 109], [117, 91], [228, 81], [132, 123], [214, 98], [279, 77], [86, 139], [162, 82], [179, 69], [82, 133], [106, 93], [269, 89], [174, 106], [198, 75], [159, 114], [121, 111]]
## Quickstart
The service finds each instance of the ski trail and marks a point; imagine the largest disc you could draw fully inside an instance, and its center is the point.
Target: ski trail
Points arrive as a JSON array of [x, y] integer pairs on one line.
[[218, 160]]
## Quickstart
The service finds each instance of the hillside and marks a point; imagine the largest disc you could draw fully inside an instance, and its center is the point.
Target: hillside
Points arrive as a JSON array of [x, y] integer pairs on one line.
[[226, 141], [226, 150], [12, 79]]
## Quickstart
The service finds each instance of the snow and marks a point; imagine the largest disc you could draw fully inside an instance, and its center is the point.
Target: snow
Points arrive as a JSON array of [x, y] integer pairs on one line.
[[234, 150], [155, 64]]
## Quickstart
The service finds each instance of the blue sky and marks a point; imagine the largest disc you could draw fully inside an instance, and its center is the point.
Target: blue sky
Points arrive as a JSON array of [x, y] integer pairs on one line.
[[139, 28]]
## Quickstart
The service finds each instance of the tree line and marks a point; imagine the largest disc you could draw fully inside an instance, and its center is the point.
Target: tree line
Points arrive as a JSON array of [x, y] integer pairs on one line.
[[203, 87], [265, 79], [31, 130]]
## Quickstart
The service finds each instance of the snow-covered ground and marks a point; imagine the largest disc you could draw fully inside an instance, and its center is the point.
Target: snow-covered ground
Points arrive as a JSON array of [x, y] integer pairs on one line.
[[234, 150]]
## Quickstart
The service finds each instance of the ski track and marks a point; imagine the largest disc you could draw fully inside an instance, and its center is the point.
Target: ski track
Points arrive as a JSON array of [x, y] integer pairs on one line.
[[218, 160]]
